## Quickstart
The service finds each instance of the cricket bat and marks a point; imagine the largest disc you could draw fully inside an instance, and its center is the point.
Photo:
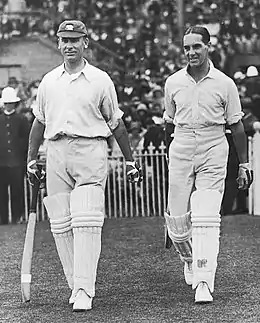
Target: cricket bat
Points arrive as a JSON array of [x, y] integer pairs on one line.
[[28, 245]]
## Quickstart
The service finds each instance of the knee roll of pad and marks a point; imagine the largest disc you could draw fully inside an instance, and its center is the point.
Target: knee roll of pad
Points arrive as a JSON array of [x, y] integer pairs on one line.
[[61, 226], [179, 230], [87, 206], [58, 209]]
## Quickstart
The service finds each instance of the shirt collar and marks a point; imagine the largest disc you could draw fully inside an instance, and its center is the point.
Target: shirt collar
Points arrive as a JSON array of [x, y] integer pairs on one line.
[[211, 73], [86, 71], [8, 113]]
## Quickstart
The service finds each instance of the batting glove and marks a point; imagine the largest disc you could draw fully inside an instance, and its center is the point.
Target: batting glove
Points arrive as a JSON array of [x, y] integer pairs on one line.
[[134, 172], [35, 173], [245, 176]]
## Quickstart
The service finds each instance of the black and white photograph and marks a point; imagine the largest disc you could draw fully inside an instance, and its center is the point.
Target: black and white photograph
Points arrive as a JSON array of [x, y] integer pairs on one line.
[[129, 161]]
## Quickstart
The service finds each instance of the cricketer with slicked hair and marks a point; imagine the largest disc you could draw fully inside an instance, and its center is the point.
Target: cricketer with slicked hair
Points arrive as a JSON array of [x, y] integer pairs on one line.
[[199, 101], [199, 30]]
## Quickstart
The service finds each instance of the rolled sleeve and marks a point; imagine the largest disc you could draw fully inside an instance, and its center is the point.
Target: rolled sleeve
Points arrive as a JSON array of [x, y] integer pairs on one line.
[[109, 107], [39, 108], [169, 104], [233, 110]]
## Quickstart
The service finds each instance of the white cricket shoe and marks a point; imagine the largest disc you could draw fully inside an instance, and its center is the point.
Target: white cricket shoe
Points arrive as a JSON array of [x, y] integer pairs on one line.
[[83, 302], [202, 294], [188, 273]]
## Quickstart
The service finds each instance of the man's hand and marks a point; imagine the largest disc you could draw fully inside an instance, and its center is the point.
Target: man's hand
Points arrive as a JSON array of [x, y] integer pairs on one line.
[[133, 172], [245, 176], [35, 173]]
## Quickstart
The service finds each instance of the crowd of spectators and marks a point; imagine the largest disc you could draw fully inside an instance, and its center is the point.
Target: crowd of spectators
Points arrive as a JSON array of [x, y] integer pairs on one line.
[[144, 37], [142, 32]]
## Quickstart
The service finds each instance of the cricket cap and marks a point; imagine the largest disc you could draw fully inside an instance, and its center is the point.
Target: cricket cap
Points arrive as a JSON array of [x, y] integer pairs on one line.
[[72, 29]]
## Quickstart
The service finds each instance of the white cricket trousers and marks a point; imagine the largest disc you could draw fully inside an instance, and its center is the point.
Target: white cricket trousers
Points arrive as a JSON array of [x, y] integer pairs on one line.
[[197, 160]]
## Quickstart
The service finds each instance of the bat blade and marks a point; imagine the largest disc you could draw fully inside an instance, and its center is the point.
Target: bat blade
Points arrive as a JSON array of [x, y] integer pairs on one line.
[[27, 258], [28, 245]]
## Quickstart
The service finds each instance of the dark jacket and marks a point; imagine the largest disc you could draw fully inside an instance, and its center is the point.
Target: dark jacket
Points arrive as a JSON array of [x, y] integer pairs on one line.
[[14, 134], [154, 135]]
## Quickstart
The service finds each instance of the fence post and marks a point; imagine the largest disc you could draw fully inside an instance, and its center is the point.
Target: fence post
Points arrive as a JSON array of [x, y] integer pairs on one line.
[[251, 189], [164, 175], [256, 168]]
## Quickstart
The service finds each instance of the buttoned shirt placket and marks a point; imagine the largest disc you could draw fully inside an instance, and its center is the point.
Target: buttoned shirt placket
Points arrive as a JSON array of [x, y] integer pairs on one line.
[[195, 113], [67, 111]]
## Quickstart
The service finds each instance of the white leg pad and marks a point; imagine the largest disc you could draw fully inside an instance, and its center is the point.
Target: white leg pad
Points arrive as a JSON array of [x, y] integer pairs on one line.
[[180, 231], [205, 217], [87, 212], [87, 206], [58, 209]]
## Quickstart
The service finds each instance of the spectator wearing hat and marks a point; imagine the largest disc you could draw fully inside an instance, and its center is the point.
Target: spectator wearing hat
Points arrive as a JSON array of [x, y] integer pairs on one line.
[[142, 89], [136, 136], [157, 92], [155, 137], [157, 101], [14, 132], [128, 116], [32, 90], [142, 112], [18, 87]]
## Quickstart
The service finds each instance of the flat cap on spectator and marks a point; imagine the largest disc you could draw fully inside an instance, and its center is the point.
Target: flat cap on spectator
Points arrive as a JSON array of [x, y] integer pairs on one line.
[[72, 29], [141, 107], [157, 88]]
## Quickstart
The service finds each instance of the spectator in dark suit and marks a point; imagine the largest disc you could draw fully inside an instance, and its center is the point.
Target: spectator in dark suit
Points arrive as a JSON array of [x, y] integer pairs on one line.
[[158, 166], [231, 186], [14, 133], [154, 134]]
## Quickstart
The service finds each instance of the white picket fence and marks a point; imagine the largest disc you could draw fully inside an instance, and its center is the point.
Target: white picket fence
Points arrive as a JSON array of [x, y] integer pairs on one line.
[[122, 198], [148, 198], [254, 160]]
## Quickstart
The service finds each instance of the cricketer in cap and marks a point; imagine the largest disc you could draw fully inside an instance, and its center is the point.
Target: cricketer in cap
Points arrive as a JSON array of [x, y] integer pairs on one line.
[[72, 42], [77, 111], [72, 29]]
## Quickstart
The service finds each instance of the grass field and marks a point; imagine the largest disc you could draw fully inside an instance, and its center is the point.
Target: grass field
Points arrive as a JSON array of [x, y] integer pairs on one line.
[[138, 280]]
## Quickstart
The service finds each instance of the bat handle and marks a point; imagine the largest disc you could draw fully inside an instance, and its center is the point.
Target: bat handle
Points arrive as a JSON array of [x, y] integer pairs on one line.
[[34, 195]]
